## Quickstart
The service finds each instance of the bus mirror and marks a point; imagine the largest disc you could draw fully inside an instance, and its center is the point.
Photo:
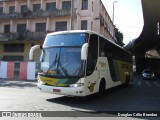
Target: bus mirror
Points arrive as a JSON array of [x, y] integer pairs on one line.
[[84, 51], [35, 47]]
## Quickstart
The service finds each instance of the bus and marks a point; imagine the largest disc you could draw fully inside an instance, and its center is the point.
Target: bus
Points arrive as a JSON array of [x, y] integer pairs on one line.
[[81, 63]]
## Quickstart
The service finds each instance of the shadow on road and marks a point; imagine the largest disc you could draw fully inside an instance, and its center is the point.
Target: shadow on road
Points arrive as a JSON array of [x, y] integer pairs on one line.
[[112, 100], [17, 84], [121, 100]]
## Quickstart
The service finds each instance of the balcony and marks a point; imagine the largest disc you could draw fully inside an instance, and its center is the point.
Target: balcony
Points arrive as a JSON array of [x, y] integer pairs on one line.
[[23, 36], [41, 14]]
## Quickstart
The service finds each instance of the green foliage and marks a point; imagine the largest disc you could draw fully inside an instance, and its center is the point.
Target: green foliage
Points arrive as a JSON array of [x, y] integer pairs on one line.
[[119, 37]]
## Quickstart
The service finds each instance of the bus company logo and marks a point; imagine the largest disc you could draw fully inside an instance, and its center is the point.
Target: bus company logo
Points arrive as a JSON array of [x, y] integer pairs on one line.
[[102, 64], [91, 87], [55, 84], [124, 66]]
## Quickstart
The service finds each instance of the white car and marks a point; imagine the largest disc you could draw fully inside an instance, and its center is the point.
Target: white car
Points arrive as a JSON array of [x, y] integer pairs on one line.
[[148, 74]]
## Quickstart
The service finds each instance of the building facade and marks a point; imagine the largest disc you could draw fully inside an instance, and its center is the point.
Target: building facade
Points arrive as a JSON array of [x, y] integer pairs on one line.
[[24, 23]]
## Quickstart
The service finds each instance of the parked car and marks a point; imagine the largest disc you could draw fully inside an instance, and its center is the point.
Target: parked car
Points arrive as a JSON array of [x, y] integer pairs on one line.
[[148, 74]]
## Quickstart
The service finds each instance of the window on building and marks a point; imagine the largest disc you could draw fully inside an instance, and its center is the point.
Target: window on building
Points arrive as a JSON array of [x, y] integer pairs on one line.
[[66, 5], [60, 26], [36, 7], [13, 58], [21, 27], [1, 10], [13, 47], [51, 6], [40, 27], [23, 8], [11, 9], [84, 25], [6, 28], [84, 4]]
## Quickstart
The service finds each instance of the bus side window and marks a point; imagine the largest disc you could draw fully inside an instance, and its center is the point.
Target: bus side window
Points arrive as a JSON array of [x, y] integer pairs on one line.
[[101, 47], [92, 54], [108, 49]]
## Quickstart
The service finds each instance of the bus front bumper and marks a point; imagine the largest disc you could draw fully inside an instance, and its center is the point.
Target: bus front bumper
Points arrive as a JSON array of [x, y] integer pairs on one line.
[[71, 91]]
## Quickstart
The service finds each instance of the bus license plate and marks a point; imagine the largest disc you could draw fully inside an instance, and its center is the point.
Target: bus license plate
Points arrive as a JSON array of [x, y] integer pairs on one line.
[[56, 90]]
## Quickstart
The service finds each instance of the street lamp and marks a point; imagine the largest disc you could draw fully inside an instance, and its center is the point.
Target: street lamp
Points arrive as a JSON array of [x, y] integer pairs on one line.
[[113, 11], [114, 38]]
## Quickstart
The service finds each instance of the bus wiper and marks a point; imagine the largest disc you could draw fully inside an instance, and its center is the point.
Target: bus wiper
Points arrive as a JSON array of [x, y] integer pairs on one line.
[[58, 59], [79, 71], [59, 64], [53, 63], [63, 70]]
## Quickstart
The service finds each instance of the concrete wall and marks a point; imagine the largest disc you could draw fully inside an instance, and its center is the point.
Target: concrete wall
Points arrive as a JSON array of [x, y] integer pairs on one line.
[[15, 70], [92, 15], [25, 54]]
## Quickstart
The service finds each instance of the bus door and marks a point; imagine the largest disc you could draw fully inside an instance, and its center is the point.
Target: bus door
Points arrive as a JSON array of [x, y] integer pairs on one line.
[[92, 73]]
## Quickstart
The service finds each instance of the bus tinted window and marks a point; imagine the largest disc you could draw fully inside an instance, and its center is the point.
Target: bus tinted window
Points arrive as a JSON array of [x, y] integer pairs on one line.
[[112, 51], [75, 39]]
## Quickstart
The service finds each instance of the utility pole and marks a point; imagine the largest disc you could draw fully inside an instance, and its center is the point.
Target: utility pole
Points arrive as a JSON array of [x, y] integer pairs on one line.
[[72, 15]]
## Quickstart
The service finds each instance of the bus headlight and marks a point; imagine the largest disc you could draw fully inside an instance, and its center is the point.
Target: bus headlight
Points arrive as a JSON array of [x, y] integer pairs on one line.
[[77, 85], [41, 82]]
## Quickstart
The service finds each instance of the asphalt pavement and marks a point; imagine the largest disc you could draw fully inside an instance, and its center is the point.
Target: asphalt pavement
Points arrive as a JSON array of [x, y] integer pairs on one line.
[[141, 95]]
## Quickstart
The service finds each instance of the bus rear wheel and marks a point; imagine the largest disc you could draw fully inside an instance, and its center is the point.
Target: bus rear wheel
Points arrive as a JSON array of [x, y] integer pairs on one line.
[[127, 80], [102, 87]]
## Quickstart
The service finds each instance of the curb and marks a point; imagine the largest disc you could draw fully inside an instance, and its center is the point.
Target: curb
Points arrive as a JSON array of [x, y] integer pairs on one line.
[[5, 79]]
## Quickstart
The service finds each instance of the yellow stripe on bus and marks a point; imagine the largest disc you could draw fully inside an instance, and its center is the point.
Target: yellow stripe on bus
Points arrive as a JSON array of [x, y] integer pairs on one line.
[[51, 81]]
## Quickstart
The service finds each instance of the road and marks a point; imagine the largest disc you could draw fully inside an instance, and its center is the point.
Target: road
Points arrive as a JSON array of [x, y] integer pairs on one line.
[[141, 95]]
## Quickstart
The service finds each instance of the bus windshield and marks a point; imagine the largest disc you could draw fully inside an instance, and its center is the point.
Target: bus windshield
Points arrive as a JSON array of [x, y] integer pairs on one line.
[[74, 39], [63, 56]]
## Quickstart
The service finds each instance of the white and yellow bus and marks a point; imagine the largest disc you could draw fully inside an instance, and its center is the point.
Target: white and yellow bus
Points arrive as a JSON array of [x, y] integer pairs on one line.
[[81, 63]]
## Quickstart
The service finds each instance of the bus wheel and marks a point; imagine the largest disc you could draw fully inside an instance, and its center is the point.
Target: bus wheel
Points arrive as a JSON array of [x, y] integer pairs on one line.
[[127, 80], [102, 87]]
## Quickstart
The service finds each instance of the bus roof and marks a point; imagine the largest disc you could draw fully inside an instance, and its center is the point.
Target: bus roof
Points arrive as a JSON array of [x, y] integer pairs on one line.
[[72, 31], [85, 31]]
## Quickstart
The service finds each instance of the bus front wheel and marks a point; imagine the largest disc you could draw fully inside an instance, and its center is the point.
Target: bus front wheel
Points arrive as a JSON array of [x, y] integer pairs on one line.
[[102, 87]]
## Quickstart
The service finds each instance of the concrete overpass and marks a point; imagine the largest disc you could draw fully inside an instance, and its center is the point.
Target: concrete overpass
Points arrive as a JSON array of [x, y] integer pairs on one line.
[[150, 35]]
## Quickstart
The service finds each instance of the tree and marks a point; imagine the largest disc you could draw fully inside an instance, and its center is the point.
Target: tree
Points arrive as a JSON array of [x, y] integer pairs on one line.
[[119, 37]]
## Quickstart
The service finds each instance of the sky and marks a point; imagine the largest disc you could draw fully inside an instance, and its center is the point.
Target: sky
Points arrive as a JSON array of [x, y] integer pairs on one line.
[[128, 17]]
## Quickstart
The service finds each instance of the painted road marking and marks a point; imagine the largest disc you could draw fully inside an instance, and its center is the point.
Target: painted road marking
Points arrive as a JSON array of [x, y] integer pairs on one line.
[[139, 83], [156, 84], [148, 83]]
